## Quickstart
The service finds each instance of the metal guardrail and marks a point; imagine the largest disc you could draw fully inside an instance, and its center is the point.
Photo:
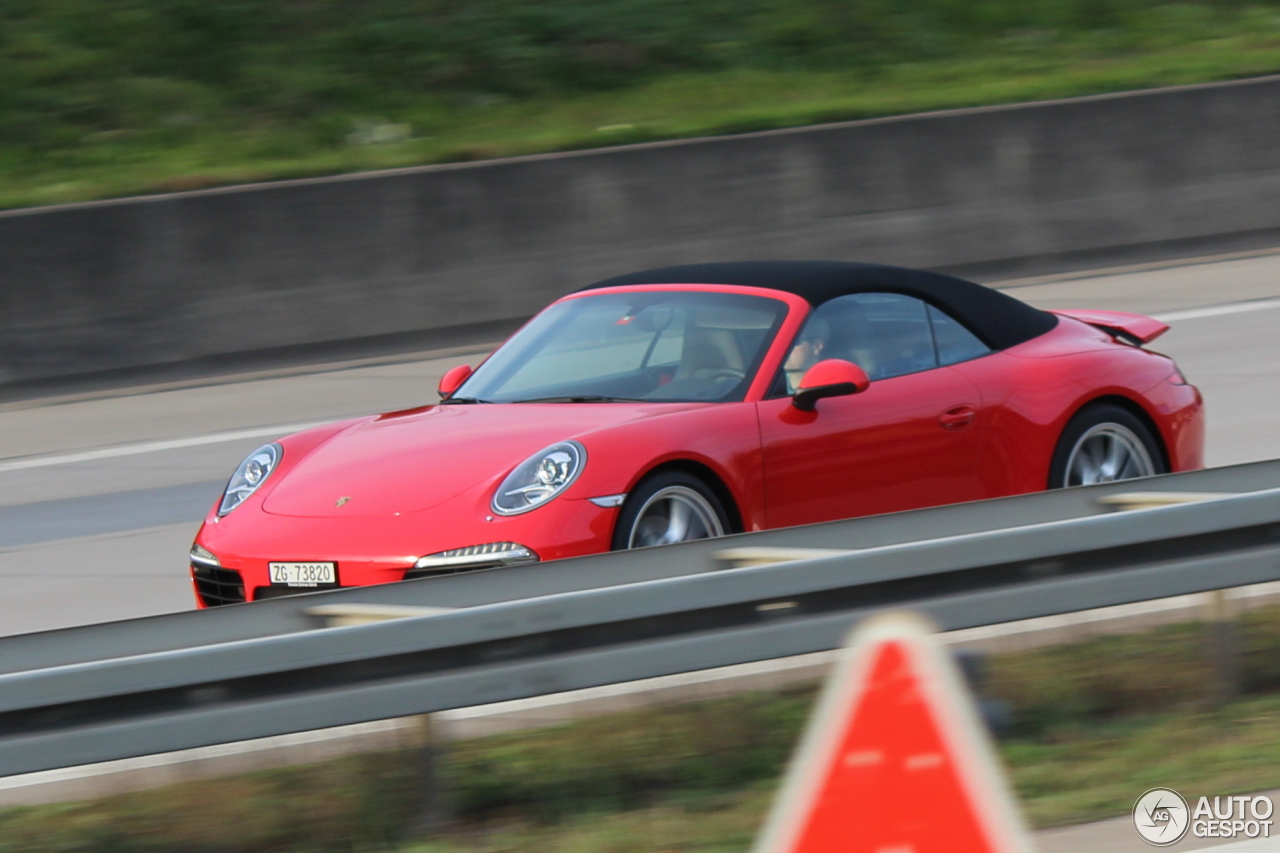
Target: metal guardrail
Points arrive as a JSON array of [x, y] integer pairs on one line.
[[980, 564], [289, 615]]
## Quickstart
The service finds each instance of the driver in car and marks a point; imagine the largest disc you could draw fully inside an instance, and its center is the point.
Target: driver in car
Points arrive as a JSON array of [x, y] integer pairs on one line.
[[806, 352]]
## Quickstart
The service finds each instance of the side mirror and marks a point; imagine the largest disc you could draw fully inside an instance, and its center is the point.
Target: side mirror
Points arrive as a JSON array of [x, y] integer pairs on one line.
[[453, 379], [834, 377]]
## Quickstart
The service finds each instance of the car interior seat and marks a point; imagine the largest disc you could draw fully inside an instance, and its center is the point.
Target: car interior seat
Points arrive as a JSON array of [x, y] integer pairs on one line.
[[709, 351]]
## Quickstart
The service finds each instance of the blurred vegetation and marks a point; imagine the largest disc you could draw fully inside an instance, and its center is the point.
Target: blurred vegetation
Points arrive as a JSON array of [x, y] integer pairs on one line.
[[1164, 669], [1095, 723], [100, 99]]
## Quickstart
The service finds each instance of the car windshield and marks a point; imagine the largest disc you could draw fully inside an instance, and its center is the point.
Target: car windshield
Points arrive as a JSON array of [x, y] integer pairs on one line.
[[669, 346]]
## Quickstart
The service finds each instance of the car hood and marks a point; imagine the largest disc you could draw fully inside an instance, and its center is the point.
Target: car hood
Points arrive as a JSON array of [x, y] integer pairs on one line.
[[412, 461]]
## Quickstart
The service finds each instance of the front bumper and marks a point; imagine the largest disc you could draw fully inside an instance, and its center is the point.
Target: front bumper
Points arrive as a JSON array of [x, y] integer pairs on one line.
[[374, 550]]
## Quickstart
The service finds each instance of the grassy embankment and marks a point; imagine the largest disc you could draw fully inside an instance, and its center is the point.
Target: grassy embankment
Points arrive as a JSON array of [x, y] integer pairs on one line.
[[1095, 724], [100, 100]]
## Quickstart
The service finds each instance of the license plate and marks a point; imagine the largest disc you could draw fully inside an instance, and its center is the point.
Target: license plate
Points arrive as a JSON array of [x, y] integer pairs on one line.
[[303, 574]]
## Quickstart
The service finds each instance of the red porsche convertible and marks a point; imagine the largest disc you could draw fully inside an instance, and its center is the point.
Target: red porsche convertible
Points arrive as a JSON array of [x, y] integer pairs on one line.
[[694, 401]]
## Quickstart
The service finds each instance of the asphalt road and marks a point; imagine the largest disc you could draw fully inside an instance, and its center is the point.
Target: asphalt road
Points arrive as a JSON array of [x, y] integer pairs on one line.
[[100, 495]]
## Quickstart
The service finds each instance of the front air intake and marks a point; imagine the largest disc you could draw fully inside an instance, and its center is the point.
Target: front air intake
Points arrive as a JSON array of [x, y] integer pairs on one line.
[[217, 586]]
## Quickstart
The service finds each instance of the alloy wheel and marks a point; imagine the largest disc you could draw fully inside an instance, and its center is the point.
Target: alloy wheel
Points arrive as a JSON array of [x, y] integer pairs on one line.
[[674, 514], [1107, 453]]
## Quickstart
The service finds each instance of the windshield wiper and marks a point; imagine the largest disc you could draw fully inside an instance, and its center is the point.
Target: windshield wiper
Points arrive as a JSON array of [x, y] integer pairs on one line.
[[460, 401], [584, 398]]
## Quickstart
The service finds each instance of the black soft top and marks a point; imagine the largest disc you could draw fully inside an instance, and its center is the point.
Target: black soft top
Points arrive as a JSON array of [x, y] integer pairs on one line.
[[999, 320]]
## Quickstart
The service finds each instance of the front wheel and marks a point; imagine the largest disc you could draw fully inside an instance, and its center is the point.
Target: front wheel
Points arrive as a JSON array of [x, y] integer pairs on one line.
[[1102, 444], [667, 508]]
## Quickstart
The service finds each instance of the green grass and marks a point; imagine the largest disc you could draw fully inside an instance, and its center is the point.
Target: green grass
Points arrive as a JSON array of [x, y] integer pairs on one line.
[[1096, 723], [1085, 773], [1078, 775], [509, 799], [101, 100]]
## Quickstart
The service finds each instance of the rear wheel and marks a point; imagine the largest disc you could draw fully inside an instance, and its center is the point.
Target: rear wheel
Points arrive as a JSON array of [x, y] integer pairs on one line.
[[669, 507], [1103, 444]]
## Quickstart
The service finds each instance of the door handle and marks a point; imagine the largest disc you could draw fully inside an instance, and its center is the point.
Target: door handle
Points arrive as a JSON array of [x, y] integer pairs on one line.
[[957, 417]]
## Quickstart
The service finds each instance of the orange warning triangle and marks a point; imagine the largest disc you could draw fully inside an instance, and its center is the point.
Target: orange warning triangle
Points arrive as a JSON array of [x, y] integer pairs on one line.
[[895, 759]]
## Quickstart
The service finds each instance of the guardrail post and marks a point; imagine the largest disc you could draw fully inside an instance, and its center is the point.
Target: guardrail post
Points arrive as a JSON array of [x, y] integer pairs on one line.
[[1222, 648], [431, 807]]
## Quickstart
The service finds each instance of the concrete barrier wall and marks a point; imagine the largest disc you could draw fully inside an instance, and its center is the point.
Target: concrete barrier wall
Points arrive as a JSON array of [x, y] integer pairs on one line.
[[193, 275]]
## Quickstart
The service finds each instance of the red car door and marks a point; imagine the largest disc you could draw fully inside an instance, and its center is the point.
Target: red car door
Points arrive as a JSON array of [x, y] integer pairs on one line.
[[906, 442], [910, 440]]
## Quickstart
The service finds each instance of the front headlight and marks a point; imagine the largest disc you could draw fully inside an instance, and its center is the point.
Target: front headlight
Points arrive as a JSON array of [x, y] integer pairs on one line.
[[251, 474], [540, 478]]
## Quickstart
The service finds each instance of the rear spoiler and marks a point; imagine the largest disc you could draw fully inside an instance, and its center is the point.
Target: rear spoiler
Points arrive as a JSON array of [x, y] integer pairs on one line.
[[1131, 328]]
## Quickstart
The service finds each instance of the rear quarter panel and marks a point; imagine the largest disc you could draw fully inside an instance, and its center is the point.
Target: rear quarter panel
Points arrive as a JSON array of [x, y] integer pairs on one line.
[[1030, 391]]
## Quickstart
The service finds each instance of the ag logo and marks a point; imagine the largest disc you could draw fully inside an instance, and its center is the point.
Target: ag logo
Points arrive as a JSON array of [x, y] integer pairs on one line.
[[1161, 817]]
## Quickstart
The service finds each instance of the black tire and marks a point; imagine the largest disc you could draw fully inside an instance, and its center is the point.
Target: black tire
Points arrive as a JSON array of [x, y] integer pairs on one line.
[[1101, 421], [677, 485]]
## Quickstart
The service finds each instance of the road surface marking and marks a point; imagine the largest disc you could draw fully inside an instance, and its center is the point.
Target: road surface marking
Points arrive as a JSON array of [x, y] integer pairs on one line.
[[1217, 310], [119, 450]]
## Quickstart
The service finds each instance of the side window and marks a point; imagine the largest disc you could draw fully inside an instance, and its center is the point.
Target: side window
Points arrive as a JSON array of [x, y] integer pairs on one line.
[[955, 342], [886, 334]]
